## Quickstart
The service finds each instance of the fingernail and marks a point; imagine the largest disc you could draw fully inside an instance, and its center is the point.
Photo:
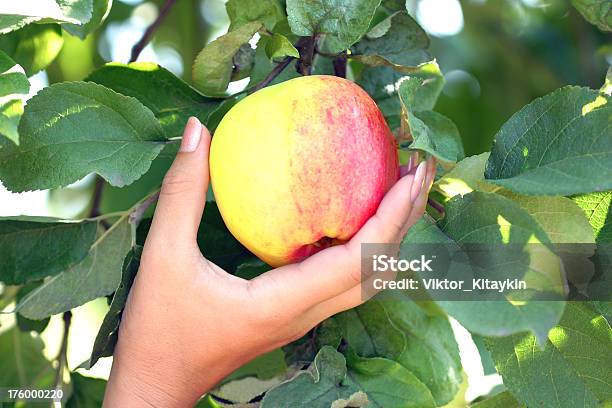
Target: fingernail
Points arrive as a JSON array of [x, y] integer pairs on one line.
[[419, 178], [191, 136]]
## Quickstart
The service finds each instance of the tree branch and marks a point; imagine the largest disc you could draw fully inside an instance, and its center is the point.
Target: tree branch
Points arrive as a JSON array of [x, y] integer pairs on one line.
[[436, 205], [146, 36], [97, 197], [138, 212], [278, 69], [62, 361], [339, 63], [306, 46]]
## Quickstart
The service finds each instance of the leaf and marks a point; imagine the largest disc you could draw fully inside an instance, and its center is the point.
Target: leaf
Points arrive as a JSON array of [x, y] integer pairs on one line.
[[95, 276], [342, 23], [242, 12], [34, 47], [388, 384], [24, 324], [491, 219], [596, 12], [559, 144], [242, 62], [264, 367], [501, 400], [34, 248], [598, 209], [561, 219], [399, 330], [252, 268], [170, 99], [437, 135], [22, 362], [573, 368], [87, 392], [420, 90], [107, 336], [212, 68], [403, 43], [263, 65], [485, 356], [101, 9], [14, 86], [72, 129], [280, 47], [323, 383], [19, 13], [466, 176]]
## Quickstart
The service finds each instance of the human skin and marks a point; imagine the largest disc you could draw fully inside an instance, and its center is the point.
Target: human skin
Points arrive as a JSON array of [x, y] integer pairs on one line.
[[188, 324], [302, 165]]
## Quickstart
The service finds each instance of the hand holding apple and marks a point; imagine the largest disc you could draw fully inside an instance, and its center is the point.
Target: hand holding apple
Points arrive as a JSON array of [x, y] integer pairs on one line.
[[188, 323]]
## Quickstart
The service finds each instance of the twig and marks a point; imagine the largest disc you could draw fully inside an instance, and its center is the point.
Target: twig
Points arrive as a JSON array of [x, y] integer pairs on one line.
[[340, 65], [146, 37], [436, 205], [278, 69], [306, 46], [62, 355], [138, 212], [97, 197]]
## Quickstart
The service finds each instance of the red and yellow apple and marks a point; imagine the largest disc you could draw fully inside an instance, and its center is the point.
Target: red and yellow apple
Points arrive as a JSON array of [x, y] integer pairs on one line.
[[302, 165]]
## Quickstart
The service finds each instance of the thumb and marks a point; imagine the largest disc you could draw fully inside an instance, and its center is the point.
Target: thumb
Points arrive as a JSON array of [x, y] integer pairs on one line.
[[183, 192]]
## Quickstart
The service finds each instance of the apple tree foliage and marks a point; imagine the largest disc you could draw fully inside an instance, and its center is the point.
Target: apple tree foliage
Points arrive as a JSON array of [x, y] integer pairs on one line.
[[548, 177]]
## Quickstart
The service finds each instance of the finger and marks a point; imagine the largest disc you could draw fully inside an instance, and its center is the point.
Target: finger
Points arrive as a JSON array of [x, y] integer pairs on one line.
[[420, 203], [183, 192], [334, 270]]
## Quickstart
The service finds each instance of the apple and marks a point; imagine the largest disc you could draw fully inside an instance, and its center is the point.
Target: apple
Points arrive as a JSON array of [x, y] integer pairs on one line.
[[300, 166]]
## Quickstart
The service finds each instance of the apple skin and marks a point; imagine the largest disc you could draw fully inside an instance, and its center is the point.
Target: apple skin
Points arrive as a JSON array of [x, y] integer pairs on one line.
[[302, 165]]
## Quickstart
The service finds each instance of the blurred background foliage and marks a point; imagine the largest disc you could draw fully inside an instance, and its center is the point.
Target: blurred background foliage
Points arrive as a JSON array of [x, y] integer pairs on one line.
[[496, 55]]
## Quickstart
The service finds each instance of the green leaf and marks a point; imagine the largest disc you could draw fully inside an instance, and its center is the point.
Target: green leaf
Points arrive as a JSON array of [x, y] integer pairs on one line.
[[562, 220], [420, 90], [18, 14], [24, 324], [22, 363], [87, 392], [437, 135], [323, 383], [398, 42], [489, 218], [573, 368], [399, 330], [242, 62], [95, 276], [72, 129], [501, 400], [170, 99], [596, 12], [34, 248], [34, 47], [101, 9], [252, 268], [264, 367], [279, 47], [342, 23], [598, 209], [242, 12], [212, 68], [466, 176], [388, 384], [107, 336], [559, 144], [263, 65], [485, 356], [14, 86]]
